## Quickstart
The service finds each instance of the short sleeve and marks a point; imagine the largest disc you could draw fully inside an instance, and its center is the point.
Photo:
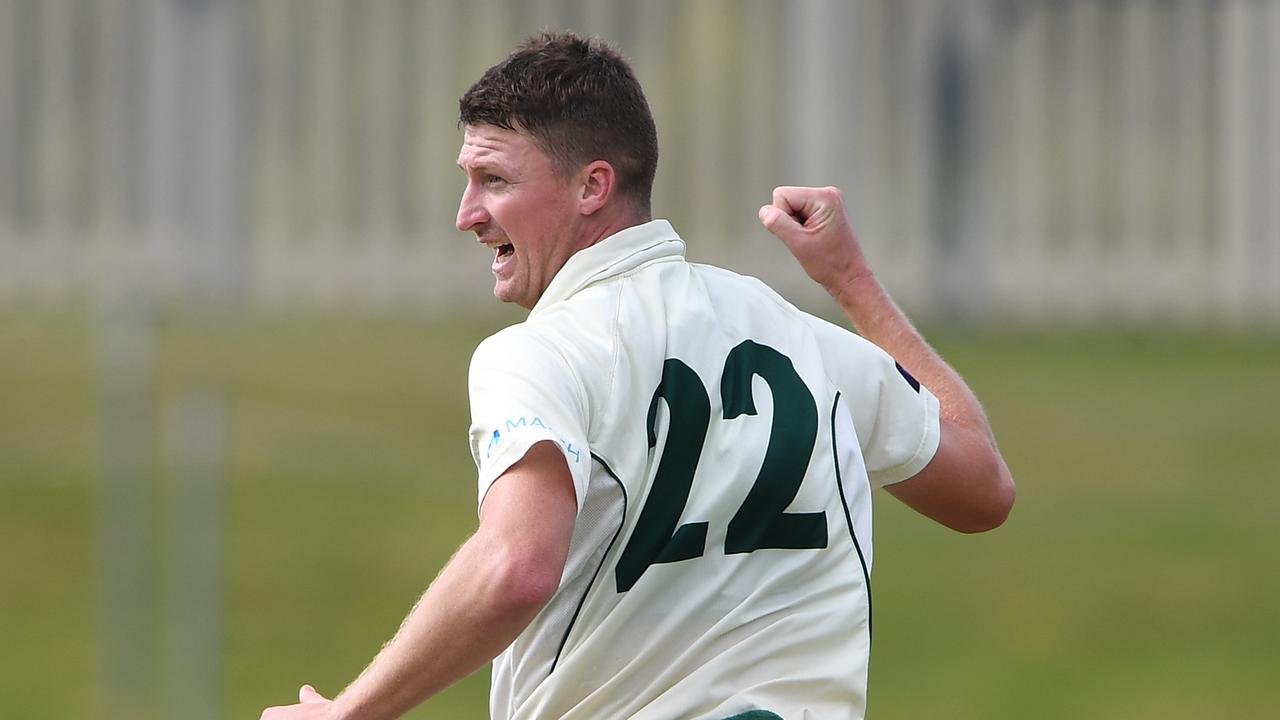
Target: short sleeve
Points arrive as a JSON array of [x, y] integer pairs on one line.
[[894, 416], [523, 392]]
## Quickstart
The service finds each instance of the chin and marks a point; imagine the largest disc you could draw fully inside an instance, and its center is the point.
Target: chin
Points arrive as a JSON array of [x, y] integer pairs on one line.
[[507, 295]]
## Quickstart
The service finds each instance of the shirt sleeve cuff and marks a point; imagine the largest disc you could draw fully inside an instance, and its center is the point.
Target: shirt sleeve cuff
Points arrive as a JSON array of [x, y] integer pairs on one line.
[[931, 434], [515, 449]]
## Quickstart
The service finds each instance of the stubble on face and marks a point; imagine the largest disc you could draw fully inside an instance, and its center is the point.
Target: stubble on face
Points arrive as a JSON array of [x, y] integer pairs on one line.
[[517, 205]]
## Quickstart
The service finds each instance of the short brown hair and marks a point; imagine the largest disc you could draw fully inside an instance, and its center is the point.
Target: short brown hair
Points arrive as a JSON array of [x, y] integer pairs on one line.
[[579, 101]]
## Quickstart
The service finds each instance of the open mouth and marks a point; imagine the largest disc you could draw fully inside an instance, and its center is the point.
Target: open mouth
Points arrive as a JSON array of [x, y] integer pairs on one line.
[[505, 250]]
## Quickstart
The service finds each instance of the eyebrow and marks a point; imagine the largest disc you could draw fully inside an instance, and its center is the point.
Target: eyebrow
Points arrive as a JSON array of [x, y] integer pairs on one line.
[[484, 166]]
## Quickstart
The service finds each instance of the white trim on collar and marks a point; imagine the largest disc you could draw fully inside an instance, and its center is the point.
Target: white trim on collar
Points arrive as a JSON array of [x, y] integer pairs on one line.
[[615, 255]]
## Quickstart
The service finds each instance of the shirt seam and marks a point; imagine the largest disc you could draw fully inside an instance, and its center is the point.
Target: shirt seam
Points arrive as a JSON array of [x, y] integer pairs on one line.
[[564, 640], [615, 341]]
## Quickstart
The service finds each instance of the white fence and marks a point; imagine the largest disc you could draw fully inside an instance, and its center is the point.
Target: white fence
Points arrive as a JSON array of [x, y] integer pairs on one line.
[[1084, 161]]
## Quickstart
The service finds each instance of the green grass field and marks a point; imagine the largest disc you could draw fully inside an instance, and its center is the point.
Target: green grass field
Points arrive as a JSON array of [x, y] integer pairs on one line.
[[1135, 578]]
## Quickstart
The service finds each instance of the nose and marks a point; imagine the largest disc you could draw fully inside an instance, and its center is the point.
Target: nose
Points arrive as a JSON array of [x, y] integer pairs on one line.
[[471, 211]]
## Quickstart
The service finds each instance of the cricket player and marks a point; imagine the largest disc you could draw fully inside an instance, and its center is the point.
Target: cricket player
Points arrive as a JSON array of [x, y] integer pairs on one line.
[[675, 464]]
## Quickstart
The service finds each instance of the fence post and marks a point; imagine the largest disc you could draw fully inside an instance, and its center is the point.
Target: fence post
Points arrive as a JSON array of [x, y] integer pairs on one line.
[[1271, 160], [1235, 108], [12, 66]]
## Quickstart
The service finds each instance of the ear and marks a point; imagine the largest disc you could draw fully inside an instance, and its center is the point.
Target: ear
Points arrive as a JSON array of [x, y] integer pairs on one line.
[[597, 186]]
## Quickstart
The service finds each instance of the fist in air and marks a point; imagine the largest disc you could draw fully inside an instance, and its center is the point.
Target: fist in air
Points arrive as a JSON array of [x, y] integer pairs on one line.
[[814, 226]]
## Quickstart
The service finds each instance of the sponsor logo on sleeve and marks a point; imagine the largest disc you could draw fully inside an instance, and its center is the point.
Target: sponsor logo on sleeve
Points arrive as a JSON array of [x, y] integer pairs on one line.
[[513, 424]]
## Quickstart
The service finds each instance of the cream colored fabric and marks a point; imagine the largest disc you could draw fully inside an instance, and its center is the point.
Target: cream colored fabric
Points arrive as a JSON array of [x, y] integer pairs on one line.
[[723, 631]]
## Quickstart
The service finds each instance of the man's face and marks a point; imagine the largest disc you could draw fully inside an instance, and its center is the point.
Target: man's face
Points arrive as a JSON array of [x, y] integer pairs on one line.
[[516, 205]]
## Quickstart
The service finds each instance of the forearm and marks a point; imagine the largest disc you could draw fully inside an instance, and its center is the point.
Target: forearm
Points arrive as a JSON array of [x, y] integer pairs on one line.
[[878, 318], [966, 485], [460, 623], [491, 589]]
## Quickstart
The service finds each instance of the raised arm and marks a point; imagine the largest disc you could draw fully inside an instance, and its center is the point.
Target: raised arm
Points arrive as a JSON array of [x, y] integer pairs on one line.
[[486, 595], [967, 486]]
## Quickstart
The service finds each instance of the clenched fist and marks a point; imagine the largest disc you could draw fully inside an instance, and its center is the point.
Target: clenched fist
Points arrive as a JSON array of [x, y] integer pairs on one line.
[[814, 226]]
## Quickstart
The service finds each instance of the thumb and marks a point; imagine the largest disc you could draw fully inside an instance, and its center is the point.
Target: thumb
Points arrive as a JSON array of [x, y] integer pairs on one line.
[[308, 695], [779, 222]]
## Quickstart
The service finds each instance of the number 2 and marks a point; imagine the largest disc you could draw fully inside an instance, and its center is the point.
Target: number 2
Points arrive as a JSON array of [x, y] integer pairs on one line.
[[760, 522]]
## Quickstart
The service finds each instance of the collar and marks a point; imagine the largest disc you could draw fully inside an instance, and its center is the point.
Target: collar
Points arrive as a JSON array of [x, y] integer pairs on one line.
[[613, 256]]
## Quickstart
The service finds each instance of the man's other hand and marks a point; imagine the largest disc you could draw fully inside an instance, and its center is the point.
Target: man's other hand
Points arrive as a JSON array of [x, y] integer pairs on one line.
[[311, 706]]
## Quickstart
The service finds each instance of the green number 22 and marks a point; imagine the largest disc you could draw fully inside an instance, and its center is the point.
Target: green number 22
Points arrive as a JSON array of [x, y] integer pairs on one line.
[[760, 522]]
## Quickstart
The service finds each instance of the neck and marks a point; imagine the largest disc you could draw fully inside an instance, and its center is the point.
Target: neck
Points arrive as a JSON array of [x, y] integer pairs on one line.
[[606, 223]]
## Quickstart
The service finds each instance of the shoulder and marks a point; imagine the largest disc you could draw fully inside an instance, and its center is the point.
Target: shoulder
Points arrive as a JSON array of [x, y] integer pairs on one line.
[[845, 340], [575, 337], [525, 345], [849, 360], [714, 274], [502, 343], [745, 291], [759, 296]]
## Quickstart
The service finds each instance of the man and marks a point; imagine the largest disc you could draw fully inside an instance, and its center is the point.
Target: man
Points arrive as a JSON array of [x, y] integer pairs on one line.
[[675, 464]]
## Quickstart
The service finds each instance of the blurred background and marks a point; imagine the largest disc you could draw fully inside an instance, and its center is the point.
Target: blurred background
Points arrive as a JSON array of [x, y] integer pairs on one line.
[[235, 321]]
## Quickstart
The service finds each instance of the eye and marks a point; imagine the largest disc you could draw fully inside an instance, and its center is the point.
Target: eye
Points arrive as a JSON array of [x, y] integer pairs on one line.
[[491, 179]]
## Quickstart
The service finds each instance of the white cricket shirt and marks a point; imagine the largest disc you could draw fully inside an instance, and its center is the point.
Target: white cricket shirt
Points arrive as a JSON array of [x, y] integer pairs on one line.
[[723, 445]]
